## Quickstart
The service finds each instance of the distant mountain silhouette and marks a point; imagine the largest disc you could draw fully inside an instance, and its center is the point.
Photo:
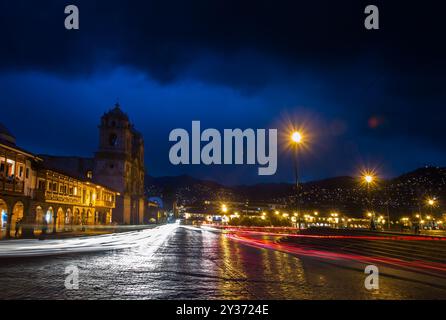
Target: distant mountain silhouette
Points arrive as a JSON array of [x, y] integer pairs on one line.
[[179, 181], [336, 182], [429, 174]]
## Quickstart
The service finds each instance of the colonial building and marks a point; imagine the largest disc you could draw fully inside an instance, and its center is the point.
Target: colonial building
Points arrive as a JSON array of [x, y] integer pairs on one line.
[[43, 198], [117, 164]]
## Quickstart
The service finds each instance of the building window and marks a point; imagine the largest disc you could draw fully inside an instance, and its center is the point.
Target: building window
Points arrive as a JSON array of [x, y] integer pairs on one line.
[[90, 174], [113, 140], [27, 173], [42, 184]]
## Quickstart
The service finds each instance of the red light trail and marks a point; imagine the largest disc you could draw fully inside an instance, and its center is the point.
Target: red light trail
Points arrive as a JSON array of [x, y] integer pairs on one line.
[[372, 238], [329, 255]]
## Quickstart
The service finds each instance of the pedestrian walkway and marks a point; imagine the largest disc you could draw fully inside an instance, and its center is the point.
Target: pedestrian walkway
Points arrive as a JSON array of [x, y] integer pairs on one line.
[[87, 231]]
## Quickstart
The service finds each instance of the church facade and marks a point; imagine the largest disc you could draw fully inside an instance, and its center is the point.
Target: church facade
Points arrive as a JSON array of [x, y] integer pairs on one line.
[[117, 164]]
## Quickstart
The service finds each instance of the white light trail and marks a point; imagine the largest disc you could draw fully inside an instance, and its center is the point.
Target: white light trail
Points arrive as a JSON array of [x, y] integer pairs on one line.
[[149, 239]]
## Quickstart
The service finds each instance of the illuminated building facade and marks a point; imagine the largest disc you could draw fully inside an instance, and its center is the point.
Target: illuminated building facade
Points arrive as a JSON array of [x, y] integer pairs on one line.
[[43, 198], [119, 163]]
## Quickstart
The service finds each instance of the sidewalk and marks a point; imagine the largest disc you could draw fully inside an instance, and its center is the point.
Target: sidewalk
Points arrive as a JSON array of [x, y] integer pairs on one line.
[[89, 231]]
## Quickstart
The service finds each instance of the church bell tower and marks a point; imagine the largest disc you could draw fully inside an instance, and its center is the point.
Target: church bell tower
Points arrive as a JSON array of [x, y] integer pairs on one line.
[[119, 164]]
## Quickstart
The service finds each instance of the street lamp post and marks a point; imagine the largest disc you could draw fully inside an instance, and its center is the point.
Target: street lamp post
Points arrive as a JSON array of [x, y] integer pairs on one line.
[[369, 179], [224, 210], [431, 203], [388, 214], [296, 138]]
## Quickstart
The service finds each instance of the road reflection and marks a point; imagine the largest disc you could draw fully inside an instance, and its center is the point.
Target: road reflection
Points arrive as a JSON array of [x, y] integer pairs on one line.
[[271, 274], [194, 263]]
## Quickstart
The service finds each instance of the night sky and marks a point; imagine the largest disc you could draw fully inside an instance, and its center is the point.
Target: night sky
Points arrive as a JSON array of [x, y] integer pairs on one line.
[[369, 98]]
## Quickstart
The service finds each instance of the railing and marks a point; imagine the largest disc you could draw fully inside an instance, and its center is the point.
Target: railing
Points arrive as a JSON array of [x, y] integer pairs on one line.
[[57, 197], [11, 186], [70, 199], [105, 203]]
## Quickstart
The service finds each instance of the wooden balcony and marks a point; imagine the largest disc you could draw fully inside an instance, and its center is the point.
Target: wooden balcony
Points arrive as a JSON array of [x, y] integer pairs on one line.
[[104, 204], [13, 187], [49, 196]]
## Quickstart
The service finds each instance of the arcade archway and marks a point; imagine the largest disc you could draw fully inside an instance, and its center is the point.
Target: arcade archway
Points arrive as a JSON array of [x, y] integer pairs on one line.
[[48, 221], [69, 220], [3, 218], [17, 219], [60, 220], [39, 222]]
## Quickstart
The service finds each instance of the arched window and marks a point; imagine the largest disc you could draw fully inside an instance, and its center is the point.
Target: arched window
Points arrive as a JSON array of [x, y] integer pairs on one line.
[[113, 140]]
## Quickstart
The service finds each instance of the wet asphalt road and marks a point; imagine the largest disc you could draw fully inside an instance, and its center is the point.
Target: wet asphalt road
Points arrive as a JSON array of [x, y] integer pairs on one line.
[[183, 262]]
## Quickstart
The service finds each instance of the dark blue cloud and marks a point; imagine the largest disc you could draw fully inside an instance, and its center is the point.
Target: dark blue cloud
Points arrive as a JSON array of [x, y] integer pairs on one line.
[[373, 97]]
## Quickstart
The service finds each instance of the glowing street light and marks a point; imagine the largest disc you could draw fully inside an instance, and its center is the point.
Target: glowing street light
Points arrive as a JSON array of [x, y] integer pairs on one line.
[[224, 208], [368, 178], [431, 202], [296, 137]]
